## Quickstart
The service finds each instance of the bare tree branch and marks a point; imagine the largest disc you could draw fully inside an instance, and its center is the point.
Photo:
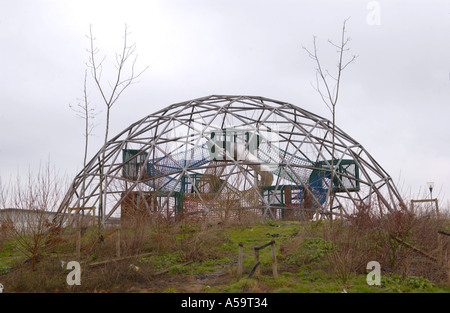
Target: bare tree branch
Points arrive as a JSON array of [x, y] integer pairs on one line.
[[329, 91], [118, 86], [28, 222], [87, 113]]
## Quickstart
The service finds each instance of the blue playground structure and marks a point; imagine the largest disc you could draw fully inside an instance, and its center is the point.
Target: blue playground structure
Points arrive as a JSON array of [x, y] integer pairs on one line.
[[182, 174], [226, 156]]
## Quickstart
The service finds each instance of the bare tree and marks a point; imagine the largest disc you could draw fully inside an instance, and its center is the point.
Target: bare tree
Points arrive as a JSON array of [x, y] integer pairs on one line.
[[32, 203], [126, 59], [84, 111], [328, 86]]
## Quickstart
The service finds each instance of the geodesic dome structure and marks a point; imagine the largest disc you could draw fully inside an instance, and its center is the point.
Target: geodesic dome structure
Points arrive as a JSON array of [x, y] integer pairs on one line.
[[223, 157]]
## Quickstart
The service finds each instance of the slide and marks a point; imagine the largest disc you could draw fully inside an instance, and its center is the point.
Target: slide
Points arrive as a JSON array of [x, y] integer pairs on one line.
[[263, 170], [300, 172]]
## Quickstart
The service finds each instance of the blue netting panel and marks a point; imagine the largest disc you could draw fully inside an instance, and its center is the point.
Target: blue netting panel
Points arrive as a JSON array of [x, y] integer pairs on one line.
[[173, 164]]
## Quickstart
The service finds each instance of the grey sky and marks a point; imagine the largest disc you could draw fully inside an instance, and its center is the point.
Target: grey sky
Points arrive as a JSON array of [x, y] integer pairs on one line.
[[394, 101]]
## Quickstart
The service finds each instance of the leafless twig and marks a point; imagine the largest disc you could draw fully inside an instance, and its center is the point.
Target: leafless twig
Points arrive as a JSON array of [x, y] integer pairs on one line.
[[119, 85], [328, 86]]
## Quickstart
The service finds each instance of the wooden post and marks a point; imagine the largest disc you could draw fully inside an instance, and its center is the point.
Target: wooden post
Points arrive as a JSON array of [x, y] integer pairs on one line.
[[274, 261], [79, 243], [69, 211], [118, 243], [240, 259], [258, 268], [448, 267], [93, 216], [437, 207], [426, 200]]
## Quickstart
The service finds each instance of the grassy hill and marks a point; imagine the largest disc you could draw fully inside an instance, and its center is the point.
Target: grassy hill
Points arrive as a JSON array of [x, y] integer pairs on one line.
[[326, 256]]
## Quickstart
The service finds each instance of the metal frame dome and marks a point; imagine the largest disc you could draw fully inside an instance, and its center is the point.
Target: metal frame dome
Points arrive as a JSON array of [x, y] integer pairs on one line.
[[221, 157]]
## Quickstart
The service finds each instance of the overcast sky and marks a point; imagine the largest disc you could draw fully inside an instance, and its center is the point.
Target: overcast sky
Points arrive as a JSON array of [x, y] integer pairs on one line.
[[394, 99]]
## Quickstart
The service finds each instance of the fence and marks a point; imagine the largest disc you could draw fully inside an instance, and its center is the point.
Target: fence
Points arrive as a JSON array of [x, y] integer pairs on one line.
[[256, 268]]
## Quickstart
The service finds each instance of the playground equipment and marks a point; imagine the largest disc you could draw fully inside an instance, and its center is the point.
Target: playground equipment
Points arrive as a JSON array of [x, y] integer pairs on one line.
[[223, 157]]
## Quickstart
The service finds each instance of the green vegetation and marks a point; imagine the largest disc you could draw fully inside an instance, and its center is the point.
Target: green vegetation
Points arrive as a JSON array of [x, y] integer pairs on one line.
[[311, 250], [312, 257]]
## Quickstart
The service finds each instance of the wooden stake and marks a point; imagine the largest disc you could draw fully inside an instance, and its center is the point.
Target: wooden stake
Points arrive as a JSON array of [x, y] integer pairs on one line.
[[69, 210], [118, 243], [240, 259], [274, 261], [79, 243], [448, 268], [258, 270]]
